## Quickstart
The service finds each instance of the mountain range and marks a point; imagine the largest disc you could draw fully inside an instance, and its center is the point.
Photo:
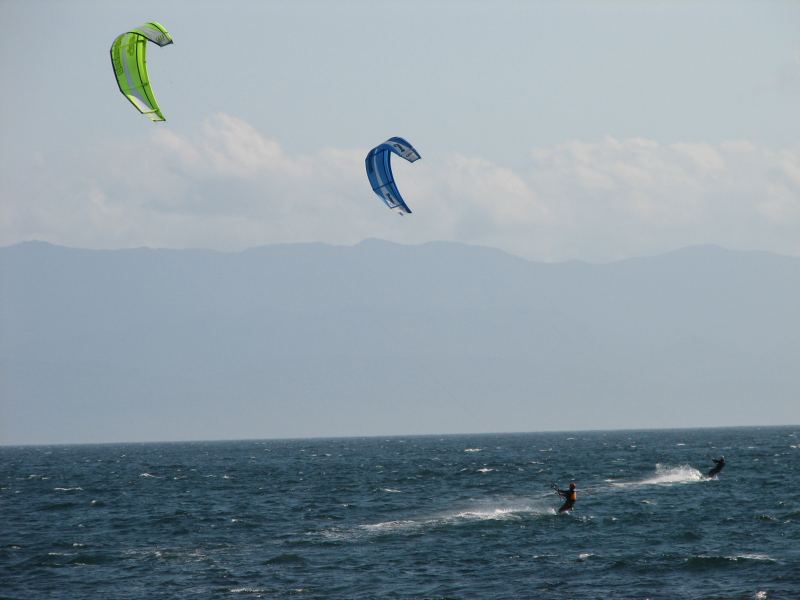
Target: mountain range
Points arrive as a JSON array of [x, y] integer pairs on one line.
[[380, 339]]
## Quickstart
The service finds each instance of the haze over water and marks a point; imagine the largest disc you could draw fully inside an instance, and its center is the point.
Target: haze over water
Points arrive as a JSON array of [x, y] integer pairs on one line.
[[467, 516]]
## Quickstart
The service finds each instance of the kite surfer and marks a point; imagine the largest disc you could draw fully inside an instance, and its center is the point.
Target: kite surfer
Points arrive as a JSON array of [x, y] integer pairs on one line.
[[570, 496], [719, 464]]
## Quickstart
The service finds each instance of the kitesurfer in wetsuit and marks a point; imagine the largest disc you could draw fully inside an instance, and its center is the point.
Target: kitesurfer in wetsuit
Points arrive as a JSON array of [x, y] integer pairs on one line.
[[719, 464], [570, 496]]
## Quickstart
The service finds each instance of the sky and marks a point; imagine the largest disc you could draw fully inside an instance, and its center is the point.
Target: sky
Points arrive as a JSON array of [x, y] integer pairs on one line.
[[552, 130]]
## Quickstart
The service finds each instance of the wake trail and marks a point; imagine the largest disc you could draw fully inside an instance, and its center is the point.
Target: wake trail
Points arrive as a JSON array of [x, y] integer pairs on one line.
[[509, 511], [666, 475]]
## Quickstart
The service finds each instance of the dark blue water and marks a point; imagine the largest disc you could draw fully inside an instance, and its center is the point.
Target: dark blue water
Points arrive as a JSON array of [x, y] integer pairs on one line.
[[417, 517]]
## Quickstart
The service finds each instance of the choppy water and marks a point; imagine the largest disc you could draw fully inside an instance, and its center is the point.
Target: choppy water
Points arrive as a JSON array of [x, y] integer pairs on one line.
[[433, 517]]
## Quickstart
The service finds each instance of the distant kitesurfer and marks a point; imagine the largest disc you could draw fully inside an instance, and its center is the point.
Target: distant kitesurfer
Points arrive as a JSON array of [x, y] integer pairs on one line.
[[719, 464], [570, 496]]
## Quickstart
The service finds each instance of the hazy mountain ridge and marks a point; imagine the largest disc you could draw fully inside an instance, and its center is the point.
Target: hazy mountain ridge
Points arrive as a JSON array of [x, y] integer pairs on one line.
[[310, 339]]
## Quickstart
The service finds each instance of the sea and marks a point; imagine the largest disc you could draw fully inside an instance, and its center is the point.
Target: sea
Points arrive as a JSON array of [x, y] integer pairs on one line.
[[451, 516]]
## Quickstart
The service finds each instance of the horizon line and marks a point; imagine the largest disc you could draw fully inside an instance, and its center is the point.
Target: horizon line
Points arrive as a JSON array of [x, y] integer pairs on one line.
[[393, 436]]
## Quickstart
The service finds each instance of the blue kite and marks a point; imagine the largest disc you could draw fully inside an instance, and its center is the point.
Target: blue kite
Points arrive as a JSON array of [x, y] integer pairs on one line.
[[379, 171]]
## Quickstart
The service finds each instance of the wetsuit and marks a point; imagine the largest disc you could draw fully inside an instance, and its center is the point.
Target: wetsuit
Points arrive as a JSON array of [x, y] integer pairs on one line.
[[570, 497], [719, 465]]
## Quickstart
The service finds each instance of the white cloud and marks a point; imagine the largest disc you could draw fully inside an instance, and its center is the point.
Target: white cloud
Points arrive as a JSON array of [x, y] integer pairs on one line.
[[231, 186]]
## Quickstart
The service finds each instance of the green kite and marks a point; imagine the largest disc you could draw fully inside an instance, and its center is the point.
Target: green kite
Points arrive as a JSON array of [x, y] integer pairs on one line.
[[129, 59]]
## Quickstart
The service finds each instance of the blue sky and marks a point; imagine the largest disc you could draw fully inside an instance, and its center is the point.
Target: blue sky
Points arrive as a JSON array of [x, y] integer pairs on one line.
[[553, 130]]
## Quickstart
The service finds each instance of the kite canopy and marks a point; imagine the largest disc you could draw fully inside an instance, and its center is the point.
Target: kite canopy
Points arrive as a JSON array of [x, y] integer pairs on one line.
[[129, 59], [379, 171]]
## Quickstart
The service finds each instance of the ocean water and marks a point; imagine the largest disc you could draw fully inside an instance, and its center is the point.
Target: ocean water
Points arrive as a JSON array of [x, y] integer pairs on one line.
[[469, 516]]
